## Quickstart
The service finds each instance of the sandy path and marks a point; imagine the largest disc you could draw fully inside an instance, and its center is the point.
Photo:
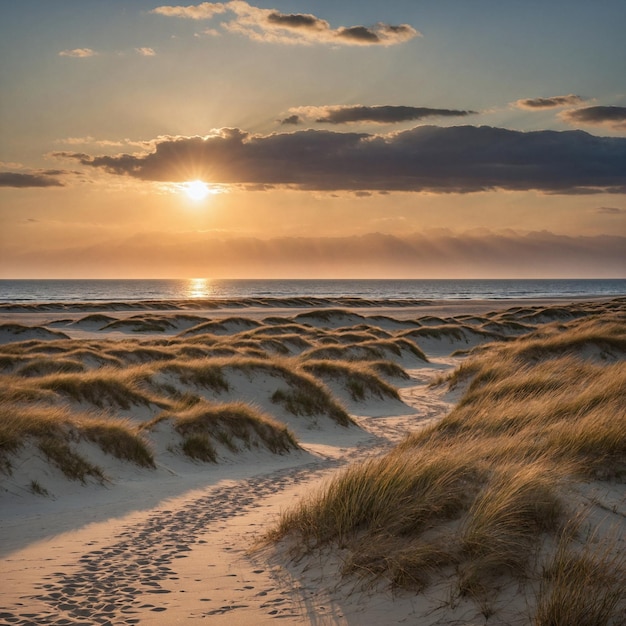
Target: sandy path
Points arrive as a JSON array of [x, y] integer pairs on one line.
[[117, 581], [187, 559]]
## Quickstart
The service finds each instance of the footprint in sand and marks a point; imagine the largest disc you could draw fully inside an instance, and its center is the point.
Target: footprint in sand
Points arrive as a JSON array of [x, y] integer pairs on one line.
[[112, 582]]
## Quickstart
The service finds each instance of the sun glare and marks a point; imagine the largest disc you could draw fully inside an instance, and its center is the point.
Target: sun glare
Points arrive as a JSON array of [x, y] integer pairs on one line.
[[196, 190], [198, 288]]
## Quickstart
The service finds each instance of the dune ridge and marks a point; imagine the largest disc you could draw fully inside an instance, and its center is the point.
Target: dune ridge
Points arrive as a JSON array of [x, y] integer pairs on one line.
[[213, 303]]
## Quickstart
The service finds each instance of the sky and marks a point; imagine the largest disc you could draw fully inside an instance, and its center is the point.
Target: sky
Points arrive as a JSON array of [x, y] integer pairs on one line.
[[312, 139]]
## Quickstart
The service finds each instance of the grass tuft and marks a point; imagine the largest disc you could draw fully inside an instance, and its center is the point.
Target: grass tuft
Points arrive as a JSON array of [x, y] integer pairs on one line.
[[72, 464], [99, 388], [201, 372], [230, 422], [360, 379], [120, 439], [583, 586], [36, 488], [199, 447]]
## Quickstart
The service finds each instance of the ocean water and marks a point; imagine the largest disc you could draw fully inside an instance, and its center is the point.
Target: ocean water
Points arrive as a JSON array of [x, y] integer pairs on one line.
[[184, 289]]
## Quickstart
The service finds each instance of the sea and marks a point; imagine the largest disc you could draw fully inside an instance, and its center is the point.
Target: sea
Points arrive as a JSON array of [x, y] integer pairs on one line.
[[109, 290]]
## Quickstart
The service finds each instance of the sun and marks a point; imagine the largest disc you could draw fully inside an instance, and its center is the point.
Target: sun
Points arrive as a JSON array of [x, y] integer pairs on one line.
[[196, 190]]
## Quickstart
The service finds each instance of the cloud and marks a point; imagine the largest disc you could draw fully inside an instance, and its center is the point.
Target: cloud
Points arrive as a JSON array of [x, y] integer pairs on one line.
[[548, 103], [610, 210], [479, 254], [426, 158], [304, 21], [78, 53], [203, 11], [613, 117], [145, 52], [292, 119], [379, 114], [108, 143], [22, 180], [270, 25]]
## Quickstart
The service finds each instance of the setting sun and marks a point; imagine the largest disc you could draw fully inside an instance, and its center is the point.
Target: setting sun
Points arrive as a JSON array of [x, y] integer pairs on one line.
[[196, 190]]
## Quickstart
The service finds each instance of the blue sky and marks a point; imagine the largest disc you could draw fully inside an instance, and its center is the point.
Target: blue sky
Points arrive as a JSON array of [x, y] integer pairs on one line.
[[109, 109]]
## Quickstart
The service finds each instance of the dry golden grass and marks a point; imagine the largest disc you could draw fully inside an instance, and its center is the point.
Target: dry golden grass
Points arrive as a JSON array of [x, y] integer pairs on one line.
[[399, 494], [118, 438], [46, 366], [583, 586], [360, 379], [54, 428], [48, 384], [233, 424], [480, 494], [205, 373], [104, 387]]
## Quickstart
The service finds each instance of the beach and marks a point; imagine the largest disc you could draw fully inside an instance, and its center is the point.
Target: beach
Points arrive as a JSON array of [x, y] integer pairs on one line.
[[234, 413]]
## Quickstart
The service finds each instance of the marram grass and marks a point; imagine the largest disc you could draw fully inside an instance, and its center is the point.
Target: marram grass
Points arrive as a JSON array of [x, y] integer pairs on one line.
[[55, 430], [203, 425], [481, 496]]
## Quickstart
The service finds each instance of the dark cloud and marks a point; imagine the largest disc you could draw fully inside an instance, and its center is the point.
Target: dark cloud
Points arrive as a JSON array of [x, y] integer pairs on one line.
[[381, 114], [614, 117], [549, 103], [426, 158], [297, 20], [21, 180], [610, 210], [360, 34], [294, 120]]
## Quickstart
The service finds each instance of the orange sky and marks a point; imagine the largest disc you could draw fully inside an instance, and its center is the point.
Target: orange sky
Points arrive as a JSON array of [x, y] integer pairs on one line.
[[364, 141]]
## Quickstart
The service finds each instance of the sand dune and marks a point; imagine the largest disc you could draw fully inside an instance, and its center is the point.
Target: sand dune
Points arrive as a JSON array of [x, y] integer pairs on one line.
[[206, 304], [18, 332], [143, 456]]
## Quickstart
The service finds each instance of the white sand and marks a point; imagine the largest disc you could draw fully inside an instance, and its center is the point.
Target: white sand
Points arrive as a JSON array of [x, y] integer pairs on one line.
[[176, 559], [171, 545]]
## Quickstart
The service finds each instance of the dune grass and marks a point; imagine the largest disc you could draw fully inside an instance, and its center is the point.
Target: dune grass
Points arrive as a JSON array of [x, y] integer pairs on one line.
[[204, 373], [199, 447], [504, 525], [118, 438], [584, 585], [398, 494], [389, 369], [18, 423], [46, 366], [303, 394], [479, 497], [54, 428], [203, 424], [50, 385], [141, 324], [360, 379], [73, 465], [102, 387]]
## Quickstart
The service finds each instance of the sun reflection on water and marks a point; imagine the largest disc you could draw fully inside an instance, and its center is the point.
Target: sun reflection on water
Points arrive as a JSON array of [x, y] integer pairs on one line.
[[199, 288]]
